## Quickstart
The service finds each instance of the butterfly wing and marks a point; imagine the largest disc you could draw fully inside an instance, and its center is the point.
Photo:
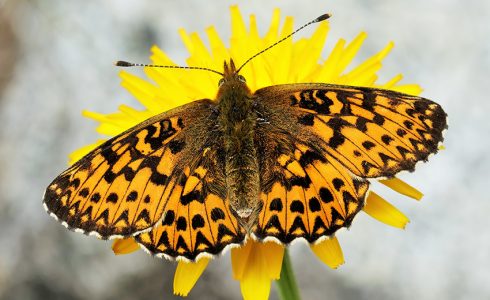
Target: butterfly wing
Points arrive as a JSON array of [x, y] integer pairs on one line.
[[126, 184], [318, 143], [305, 193], [372, 132], [201, 221]]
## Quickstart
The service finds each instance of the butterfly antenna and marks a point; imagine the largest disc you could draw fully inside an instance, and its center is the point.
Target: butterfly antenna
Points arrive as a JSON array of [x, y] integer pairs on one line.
[[319, 19], [122, 63]]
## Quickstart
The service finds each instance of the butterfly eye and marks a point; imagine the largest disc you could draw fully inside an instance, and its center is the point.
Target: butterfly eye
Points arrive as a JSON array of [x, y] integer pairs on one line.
[[241, 78], [221, 81]]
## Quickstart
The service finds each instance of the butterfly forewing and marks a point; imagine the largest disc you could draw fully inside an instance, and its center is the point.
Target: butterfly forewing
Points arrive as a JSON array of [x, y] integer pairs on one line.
[[125, 185], [372, 132]]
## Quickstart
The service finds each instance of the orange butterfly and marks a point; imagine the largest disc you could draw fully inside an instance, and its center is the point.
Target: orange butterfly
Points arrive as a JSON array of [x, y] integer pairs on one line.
[[287, 161]]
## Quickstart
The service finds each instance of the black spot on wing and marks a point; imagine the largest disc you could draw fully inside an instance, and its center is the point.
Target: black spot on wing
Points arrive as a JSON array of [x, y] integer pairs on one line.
[[297, 206], [217, 214], [197, 222], [169, 218], [307, 120], [276, 205], [181, 224]]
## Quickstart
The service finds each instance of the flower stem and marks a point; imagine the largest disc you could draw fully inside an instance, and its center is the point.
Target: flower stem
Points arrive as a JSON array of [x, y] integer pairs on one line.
[[288, 289]]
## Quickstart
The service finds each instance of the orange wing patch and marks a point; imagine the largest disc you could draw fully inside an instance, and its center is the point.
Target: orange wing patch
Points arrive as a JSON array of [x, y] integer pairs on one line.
[[197, 217], [122, 187], [313, 196]]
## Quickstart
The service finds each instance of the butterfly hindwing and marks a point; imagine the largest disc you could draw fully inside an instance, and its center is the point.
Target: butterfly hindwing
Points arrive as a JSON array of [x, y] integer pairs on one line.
[[199, 219], [372, 132], [124, 186], [305, 193]]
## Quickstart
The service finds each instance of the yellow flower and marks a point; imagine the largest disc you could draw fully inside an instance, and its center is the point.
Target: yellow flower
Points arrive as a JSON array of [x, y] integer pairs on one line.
[[255, 264]]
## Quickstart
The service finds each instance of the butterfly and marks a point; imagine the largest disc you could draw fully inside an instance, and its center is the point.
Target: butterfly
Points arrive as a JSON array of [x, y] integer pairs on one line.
[[285, 162]]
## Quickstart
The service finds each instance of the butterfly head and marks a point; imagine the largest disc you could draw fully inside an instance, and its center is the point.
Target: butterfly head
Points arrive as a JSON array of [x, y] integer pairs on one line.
[[232, 82]]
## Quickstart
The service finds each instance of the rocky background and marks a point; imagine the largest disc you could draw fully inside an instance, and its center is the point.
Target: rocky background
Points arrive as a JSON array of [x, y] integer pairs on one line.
[[55, 60]]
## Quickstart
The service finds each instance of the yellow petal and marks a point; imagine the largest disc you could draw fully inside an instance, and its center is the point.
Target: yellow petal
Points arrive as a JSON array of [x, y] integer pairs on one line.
[[158, 57], [384, 212], [362, 74], [328, 70], [184, 36], [187, 274], [392, 82], [238, 27], [256, 284], [411, 89], [218, 48], [281, 61], [329, 252], [309, 54], [273, 254], [239, 258], [81, 152], [441, 147], [350, 52], [108, 123], [124, 246], [255, 265], [130, 112], [402, 187], [142, 90], [95, 116], [271, 35]]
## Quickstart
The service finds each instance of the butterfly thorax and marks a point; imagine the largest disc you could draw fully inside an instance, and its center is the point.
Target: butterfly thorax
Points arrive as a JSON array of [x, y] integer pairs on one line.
[[237, 122]]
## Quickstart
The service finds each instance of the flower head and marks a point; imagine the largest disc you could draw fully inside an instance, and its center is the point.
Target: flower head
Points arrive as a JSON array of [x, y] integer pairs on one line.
[[256, 263]]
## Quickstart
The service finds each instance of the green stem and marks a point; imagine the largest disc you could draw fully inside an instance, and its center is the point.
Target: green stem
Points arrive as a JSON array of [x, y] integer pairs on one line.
[[286, 285]]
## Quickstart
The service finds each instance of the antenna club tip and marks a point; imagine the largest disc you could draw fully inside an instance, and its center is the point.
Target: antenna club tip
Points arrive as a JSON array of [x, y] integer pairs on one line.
[[122, 63], [323, 17]]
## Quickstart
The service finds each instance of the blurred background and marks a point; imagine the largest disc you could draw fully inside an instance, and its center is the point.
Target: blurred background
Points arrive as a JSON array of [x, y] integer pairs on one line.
[[56, 59]]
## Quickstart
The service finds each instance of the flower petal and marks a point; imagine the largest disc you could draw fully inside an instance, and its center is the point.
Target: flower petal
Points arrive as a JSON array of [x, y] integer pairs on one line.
[[411, 89], [384, 212], [350, 52], [256, 284], [81, 152], [125, 246], [239, 258], [255, 265], [218, 48], [280, 57], [329, 252], [271, 36], [390, 83], [308, 53], [328, 69], [273, 254], [142, 90], [187, 274], [238, 27], [365, 73], [402, 187], [109, 124]]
